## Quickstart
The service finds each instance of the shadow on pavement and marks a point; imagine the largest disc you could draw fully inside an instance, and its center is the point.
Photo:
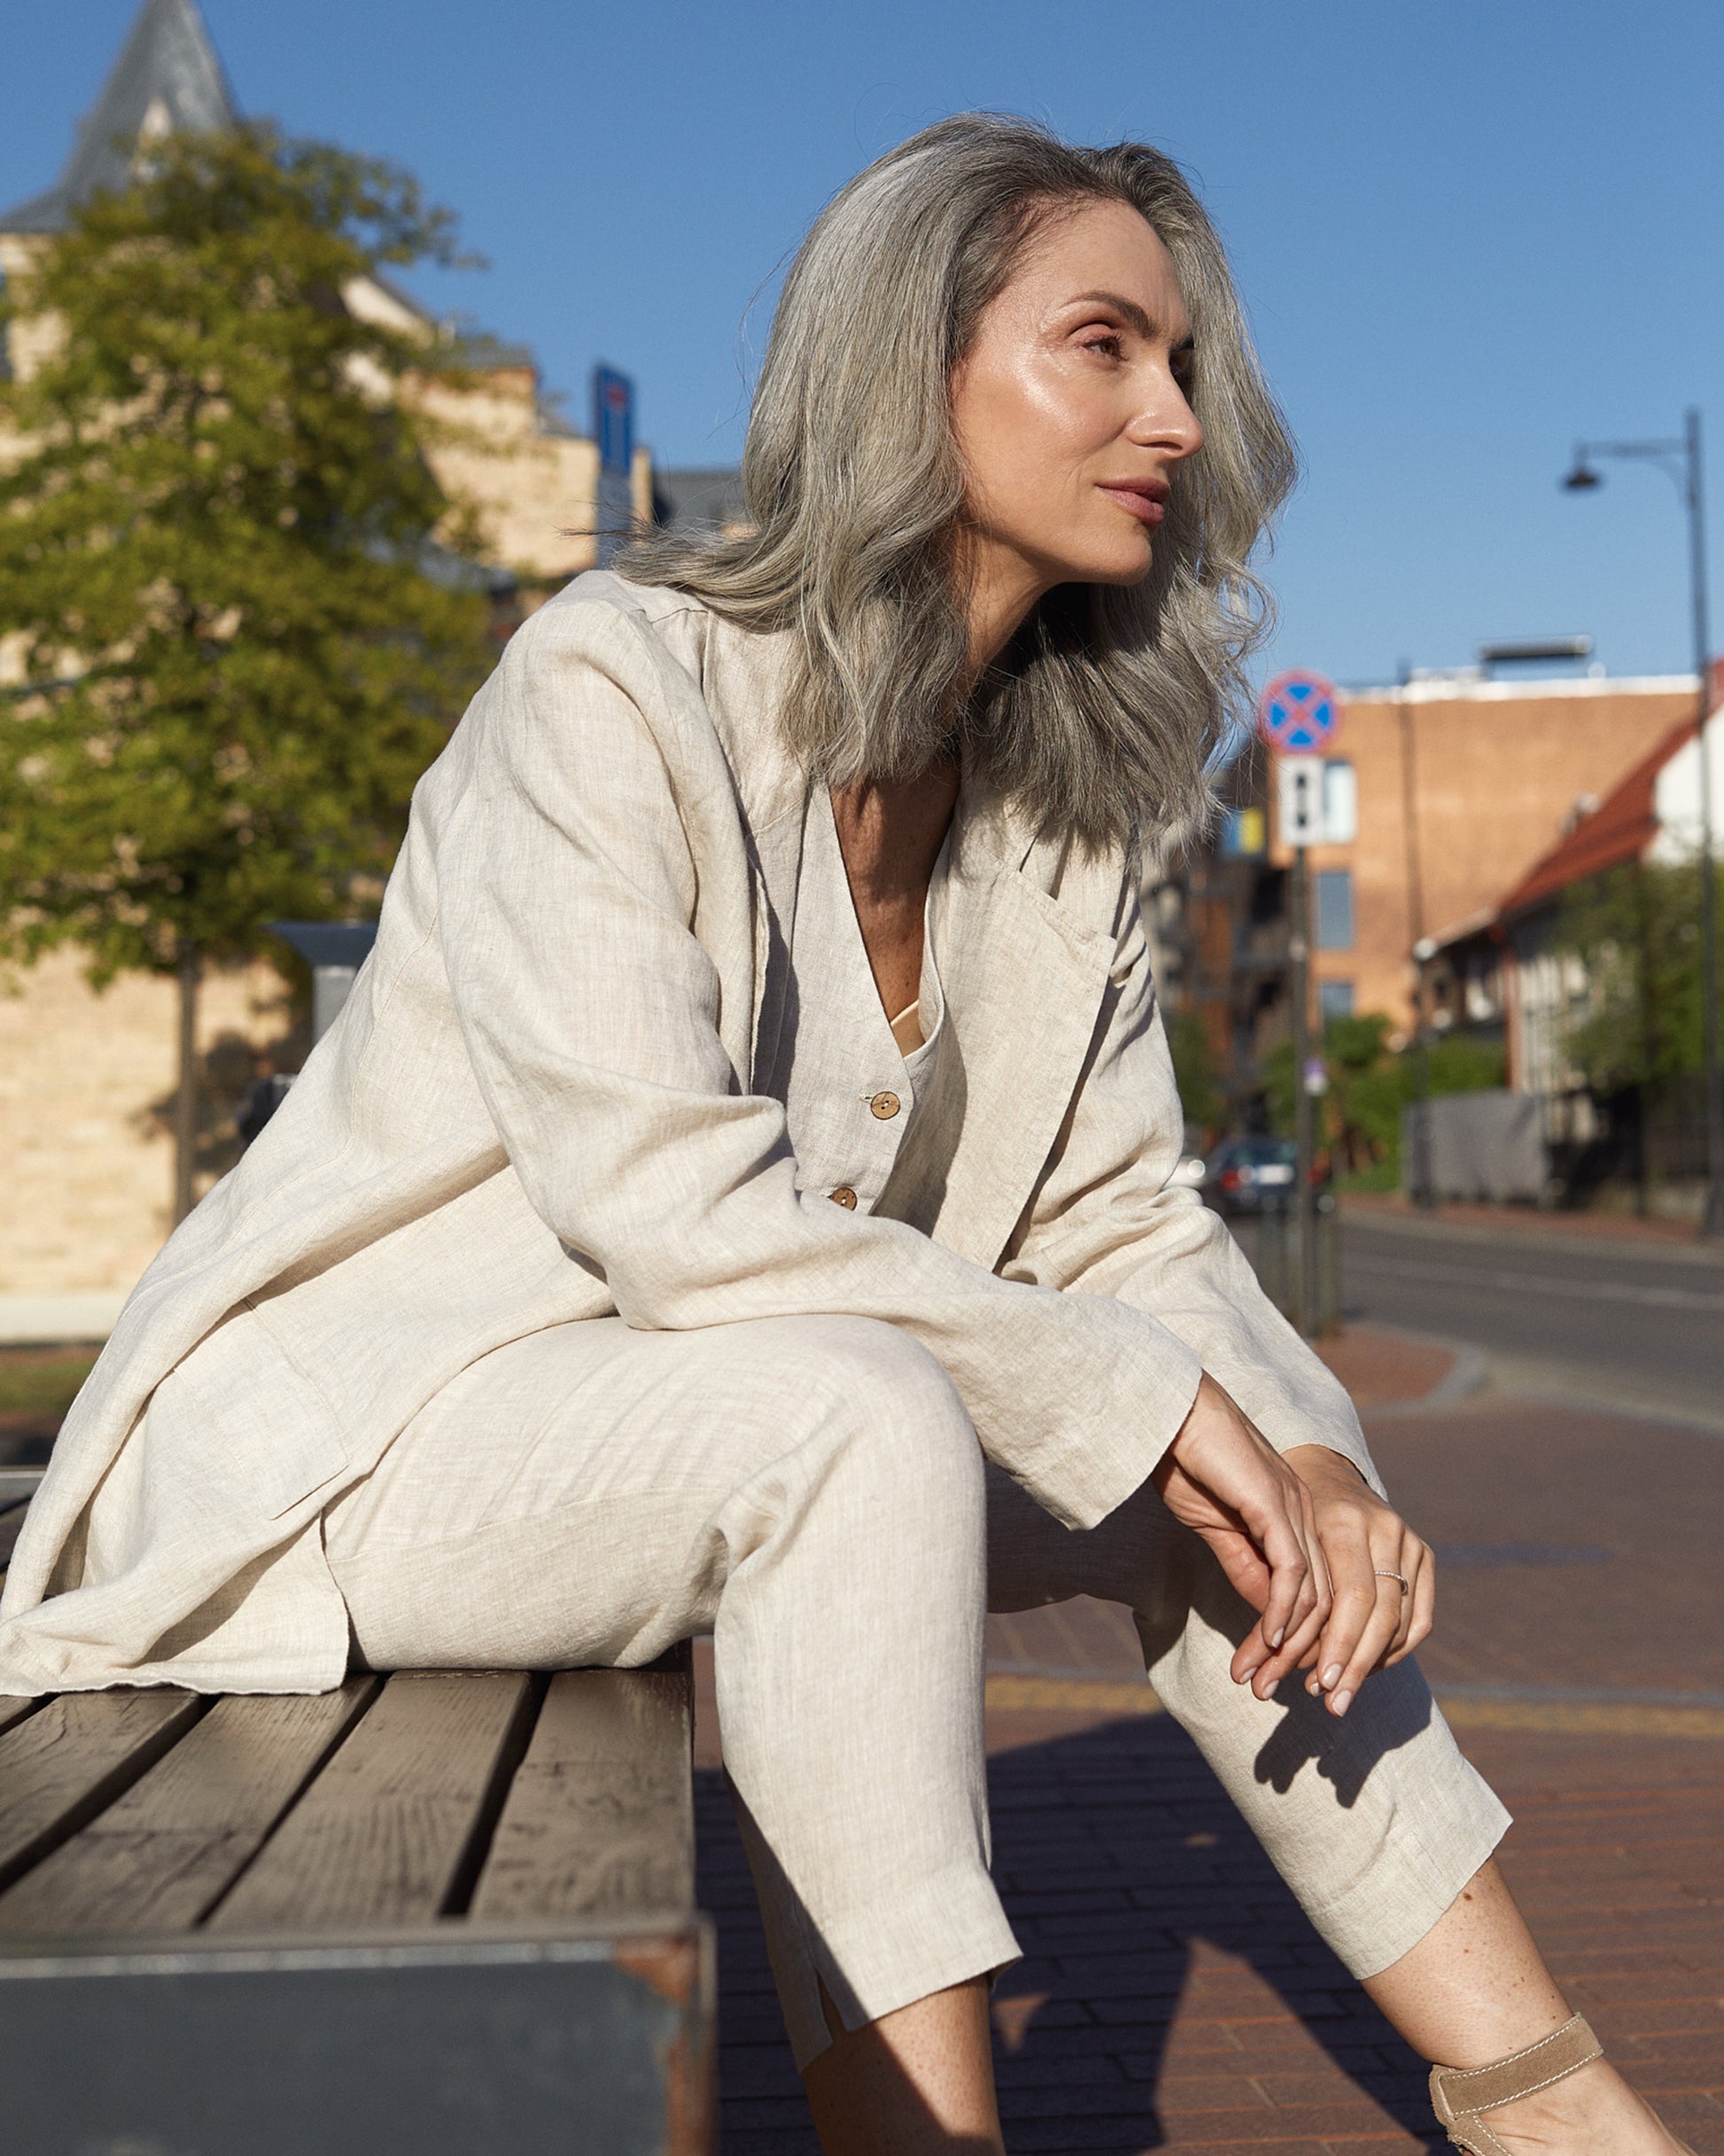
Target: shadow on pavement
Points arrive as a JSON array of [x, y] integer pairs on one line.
[[1172, 1992]]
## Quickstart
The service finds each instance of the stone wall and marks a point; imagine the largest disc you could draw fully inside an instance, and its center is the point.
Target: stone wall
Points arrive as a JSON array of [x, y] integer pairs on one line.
[[86, 1085]]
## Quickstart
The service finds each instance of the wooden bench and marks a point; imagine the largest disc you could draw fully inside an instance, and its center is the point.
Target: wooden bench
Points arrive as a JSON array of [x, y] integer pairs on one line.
[[428, 1912]]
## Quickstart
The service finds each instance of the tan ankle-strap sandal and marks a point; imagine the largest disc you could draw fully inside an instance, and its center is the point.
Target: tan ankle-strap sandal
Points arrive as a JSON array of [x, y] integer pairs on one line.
[[1458, 2095]]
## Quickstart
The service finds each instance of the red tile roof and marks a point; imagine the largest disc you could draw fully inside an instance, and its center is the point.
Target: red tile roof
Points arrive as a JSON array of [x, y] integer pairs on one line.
[[1619, 830]]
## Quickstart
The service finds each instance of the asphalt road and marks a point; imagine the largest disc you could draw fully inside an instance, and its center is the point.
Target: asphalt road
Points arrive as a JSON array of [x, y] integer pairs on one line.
[[1627, 1327]]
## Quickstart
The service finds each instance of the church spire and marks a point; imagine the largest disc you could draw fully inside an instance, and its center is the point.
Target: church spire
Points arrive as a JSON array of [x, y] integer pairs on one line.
[[168, 78]]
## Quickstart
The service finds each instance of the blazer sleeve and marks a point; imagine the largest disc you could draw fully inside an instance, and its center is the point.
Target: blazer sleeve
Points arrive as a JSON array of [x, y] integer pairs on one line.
[[566, 890], [1105, 1222]]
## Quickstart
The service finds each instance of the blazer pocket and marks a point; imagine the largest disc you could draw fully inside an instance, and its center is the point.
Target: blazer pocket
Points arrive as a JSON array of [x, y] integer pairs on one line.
[[265, 1434]]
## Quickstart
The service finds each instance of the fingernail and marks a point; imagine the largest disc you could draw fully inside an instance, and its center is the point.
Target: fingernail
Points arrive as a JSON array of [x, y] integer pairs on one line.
[[1332, 1677], [1341, 1701], [1245, 1675], [1279, 1637], [1268, 1692]]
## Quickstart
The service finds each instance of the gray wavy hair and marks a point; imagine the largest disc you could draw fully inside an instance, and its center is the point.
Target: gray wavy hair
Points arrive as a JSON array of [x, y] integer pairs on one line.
[[1102, 717]]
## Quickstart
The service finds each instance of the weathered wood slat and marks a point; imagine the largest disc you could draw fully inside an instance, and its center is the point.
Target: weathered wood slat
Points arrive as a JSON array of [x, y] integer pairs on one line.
[[384, 1834], [160, 1856], [12, 1523], [14, 1705], [66, 1761], [599, 1821]]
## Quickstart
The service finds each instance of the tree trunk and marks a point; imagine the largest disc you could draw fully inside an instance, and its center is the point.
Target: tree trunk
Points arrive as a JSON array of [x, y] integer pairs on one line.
[[185, 1099]]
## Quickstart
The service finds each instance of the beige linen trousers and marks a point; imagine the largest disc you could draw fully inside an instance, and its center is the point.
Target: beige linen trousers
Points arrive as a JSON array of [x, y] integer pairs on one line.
[[523, 1334]]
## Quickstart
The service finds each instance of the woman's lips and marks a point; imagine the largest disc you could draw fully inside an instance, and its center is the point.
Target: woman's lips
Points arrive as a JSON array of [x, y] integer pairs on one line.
[[1148, 503]]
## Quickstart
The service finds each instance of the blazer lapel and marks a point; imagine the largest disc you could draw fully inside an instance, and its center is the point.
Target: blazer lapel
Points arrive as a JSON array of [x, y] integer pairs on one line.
[[1024, 973]]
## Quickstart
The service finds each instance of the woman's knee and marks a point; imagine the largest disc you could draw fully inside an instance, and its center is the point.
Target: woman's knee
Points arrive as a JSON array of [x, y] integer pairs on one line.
[[889, 1404]]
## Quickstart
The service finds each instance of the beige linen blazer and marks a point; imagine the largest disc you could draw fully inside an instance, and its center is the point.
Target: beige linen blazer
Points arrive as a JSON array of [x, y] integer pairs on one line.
[[537, 1106]]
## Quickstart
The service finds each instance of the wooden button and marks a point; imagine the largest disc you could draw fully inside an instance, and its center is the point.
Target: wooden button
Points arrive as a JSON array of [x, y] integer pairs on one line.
[[845, 1196], [885, 1105]]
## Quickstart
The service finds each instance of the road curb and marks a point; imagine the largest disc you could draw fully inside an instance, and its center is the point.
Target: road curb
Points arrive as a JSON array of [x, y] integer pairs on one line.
[[1469, 1372], [59, 1320], [1629, 1248], [1554, 1384]]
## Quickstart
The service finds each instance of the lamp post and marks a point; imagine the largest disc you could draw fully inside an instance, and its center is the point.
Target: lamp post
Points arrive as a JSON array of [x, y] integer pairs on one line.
[[1679, 458]]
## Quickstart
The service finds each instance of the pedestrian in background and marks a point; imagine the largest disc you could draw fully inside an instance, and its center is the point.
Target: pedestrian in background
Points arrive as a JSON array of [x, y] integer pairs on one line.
[[735, 1193]]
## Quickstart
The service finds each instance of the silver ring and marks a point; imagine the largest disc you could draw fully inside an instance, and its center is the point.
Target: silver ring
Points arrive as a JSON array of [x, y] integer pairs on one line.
[[1382, 1574]]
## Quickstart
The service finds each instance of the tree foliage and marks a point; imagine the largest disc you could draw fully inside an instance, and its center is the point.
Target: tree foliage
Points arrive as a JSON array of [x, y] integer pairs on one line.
[[1637, 930], [1358, 1119], [214, 512], [1200, 1094]]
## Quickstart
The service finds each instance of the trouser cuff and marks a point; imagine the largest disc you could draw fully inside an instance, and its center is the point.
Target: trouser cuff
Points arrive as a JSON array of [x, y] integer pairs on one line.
[[908, 1942]]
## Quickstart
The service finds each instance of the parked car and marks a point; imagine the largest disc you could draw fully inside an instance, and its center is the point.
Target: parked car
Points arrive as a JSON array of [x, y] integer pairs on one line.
[[1252, 1175]]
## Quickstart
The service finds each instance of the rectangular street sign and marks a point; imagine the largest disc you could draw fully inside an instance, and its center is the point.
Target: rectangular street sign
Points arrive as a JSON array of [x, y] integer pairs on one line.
[[1300, 800]]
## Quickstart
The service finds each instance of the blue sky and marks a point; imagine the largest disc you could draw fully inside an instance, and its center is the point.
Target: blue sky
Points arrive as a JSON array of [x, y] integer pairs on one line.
[[1468, 231]]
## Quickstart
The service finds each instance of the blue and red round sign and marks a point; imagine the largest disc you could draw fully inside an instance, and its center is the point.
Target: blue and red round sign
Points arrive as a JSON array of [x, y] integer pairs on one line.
[[1299, 713]]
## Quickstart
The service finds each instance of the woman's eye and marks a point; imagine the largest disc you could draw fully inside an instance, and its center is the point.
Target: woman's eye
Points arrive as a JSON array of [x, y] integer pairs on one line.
[[1105, 340]]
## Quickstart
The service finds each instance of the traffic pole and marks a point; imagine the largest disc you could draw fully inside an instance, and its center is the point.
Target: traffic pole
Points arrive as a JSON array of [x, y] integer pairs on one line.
[[1711, 1054], [1299, 950], [1297, 715]]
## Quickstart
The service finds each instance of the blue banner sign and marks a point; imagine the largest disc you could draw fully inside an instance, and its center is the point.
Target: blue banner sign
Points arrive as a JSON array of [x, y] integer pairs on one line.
[[613, 430], [613, 419]]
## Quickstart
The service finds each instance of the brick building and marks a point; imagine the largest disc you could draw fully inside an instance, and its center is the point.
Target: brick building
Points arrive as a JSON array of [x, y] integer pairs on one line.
[[1461, 783], [1504, 977], [1455, 787]]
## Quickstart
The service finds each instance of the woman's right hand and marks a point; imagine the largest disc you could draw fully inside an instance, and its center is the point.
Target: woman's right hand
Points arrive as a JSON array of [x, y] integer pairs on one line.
[[1221, 1478]]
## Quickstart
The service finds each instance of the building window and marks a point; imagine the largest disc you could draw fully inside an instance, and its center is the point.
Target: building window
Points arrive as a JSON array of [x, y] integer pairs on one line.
[[1340, 804], [1334, 922], [1334, 1000]]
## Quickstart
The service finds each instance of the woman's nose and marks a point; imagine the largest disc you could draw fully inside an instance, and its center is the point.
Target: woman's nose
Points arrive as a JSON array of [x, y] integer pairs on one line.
[[1168, 422]]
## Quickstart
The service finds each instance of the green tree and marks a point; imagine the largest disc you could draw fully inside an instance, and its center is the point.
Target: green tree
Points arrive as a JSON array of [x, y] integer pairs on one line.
[[1637, 930], [1200, 1094], [1359, 1117], [215, 513], [1367, 1087]]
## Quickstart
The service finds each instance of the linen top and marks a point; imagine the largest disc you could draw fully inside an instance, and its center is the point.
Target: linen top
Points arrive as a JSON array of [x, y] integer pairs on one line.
[[852, 1097]]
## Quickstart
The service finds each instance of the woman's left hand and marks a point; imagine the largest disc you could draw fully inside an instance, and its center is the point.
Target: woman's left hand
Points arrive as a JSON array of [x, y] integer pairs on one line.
[[1372, 1624]]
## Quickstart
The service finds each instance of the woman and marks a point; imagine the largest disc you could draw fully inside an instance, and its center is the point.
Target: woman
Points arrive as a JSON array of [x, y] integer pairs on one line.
[[735, 1193]]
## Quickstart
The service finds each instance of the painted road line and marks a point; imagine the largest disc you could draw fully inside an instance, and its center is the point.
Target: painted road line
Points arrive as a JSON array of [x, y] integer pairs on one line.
[[1071, 1695], [1447, 1688], [1569, 1718]]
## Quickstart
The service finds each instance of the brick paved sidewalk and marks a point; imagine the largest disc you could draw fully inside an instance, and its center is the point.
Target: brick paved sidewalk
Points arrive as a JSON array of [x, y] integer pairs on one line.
[[1173, 1995]]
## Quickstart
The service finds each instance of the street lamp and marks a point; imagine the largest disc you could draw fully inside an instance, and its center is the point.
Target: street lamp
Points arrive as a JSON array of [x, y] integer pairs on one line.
[[1679, 458]]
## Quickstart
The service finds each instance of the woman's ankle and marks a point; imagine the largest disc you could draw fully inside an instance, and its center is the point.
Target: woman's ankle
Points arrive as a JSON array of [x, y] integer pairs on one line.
[[1592, 2111]]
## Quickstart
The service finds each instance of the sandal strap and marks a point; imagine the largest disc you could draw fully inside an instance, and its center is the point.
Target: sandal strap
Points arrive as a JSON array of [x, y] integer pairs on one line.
[[1457, 2093]]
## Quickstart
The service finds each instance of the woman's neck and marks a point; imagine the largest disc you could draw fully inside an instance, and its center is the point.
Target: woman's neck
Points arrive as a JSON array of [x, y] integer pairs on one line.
[[891, 834], [1000, 586]]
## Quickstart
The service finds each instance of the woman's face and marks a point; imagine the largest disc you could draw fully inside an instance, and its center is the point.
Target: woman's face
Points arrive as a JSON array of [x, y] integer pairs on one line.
[[1070, 407]]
